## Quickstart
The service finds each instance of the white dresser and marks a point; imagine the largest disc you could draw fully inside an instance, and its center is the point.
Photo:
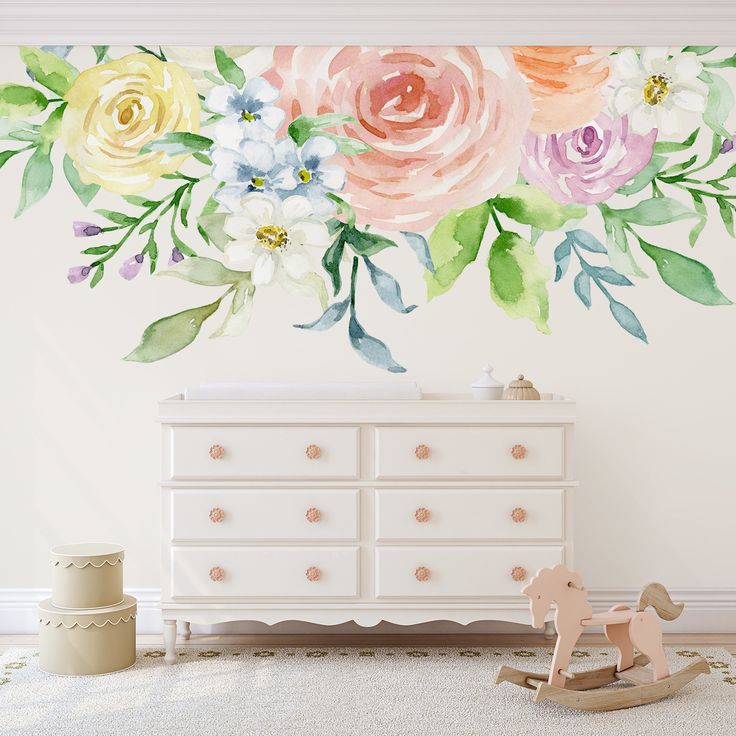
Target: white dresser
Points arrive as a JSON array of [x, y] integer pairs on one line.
[[365, 511]]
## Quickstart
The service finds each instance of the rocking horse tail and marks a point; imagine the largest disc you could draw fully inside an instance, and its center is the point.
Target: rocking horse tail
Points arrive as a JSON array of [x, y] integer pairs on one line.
[[656, 596]]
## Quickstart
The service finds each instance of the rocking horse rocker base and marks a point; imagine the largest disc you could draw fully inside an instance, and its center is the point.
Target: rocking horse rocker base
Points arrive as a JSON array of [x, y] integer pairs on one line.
[[647, 675]]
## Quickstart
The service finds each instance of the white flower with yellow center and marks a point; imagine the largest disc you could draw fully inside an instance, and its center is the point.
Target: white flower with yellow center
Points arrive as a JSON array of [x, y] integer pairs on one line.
[[659, 89], [271, 237]]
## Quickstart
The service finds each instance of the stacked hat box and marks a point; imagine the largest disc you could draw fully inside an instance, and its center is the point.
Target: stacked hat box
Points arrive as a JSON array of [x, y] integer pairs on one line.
[[87, 627]]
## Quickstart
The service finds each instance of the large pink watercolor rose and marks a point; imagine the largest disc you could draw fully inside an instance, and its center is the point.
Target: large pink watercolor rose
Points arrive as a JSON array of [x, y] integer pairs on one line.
[[587, 165], [445, 124]]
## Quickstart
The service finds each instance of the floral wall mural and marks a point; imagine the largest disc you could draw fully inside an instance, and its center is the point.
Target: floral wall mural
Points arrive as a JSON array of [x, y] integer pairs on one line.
[[250, 168]]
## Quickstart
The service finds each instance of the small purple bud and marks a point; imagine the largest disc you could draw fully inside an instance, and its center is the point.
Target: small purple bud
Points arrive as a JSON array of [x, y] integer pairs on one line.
[[86, 229], [130, 268], [727, 145], [176, 257], [78, 274]]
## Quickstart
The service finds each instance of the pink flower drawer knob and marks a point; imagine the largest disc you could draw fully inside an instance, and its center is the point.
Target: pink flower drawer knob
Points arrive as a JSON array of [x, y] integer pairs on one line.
[[518, 515], [217, 574], [422, 515], [422, 574], [313, 515], [216, 515], [518, 574], [518, 452], [421, 452], [313, 574], [217, 452], [313, 452]]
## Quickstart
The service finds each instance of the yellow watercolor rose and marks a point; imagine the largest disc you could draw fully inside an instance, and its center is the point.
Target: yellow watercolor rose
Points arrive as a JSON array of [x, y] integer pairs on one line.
[[115, 109]]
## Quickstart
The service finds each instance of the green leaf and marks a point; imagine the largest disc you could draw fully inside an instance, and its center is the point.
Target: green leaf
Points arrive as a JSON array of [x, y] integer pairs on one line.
[[619, 252], [238, 316], [50, 130], [184, 205], [212, 224], [137, 201], [699, 50], [519, 280], [97, 276], [206, 160], [719, 104], [48, 69], [655, 211], [686, 276], [228, 69], [177, 144], [724, 207], [332, 258], [212, 78], [37, 177], [302, 128], [347, 146], [5, 156], [343, 208], [531, 206], [365, 243], [454, 244], [100, 53], [206, 272], [673, 146], [85, 192], [171, 334], [119, 218], [703, 212], [309, 285], [17, 101], [644, 177]]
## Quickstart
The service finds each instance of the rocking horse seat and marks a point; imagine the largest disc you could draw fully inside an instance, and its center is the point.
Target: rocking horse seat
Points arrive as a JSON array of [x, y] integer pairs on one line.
[[608, 618]]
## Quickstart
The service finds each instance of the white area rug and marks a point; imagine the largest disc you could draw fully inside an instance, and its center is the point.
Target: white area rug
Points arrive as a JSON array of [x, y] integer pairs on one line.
[[342, 692]]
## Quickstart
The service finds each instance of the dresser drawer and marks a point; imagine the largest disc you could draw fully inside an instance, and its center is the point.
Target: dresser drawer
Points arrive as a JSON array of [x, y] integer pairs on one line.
[[475, 452], [264, 452], [265, 572], [469, 514], [230, 515], [458, 572]]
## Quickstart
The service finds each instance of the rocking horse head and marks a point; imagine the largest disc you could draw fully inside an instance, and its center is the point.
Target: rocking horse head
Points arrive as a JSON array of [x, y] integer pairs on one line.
[[550, 584]]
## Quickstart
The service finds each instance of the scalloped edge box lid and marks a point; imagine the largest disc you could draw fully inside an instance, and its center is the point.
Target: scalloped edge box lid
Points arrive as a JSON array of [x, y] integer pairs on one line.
[[50, 614], [87, 553]]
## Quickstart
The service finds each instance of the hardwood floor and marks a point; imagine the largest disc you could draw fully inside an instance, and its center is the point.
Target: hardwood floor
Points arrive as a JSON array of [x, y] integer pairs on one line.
[[727, 641]]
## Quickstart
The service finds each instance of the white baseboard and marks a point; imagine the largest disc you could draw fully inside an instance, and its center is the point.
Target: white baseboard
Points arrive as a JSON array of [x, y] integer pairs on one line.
[[707, 611]]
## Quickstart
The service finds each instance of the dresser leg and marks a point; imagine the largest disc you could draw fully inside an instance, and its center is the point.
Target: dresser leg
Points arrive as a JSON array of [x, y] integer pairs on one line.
[[549, 630], [186, 630], [170, 640]]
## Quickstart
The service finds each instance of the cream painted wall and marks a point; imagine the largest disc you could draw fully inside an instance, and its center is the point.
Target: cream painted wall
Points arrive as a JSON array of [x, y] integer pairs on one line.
[[79, 450]]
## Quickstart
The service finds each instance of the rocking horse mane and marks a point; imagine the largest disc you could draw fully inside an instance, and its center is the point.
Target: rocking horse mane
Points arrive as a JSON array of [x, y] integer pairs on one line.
[[552, 578]]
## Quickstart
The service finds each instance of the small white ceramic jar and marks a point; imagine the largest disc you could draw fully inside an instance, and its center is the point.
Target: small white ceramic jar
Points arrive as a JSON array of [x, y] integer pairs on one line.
[[487, 388]]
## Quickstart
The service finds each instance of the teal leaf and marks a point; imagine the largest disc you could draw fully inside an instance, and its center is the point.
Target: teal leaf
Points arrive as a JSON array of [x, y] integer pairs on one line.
[[37, 177], [719, 104], [627, 319], [418, 243], [519, 280], [454, 244], [85, 192], [562, 257], [205, 272], [588, 241], [228, 69], [673, 146], [18, 101], [581, 285], [330, 317], [607, 274], [387, 287], [365, 243], [177, 144], [531, 206], [644, 178], [171, 334], [655, 211], [685, 275], [48, 69], [371, 349], [331, 261]]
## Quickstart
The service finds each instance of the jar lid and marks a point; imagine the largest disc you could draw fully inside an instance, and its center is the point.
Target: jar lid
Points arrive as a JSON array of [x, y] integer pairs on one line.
[[96, 554], [51, 615], [487, 380], [521, 382]]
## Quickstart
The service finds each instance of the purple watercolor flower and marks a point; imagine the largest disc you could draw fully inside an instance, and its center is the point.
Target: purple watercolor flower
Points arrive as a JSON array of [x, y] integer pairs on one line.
[[727, 145], [131, 268], [176, 256], [77, 274], [587, 165], [86, 229]]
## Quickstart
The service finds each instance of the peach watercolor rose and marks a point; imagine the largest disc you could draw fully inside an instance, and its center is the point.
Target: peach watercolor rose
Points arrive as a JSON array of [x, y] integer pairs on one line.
[[444, 124], [565, 82]]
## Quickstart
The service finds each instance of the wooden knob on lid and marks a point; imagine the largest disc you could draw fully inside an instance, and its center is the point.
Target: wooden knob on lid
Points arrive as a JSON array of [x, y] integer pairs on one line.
[[216, 515], [518, 515], [422, 574], [518, 574], [217, 574], [217, 452], [313, 452], [422, 515], [313, 515], [313, 574], [421, 452]]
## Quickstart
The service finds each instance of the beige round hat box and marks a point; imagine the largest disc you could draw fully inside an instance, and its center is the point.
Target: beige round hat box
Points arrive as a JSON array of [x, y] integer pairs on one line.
[[87, 642], [87, 575]]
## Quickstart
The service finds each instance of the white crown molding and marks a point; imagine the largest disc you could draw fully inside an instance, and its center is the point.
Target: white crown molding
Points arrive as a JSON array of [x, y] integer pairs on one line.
[[707, 611], [473, 22]]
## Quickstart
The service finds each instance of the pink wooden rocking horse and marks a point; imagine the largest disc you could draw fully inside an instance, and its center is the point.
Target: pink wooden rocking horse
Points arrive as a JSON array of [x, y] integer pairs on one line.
[[625, 628]]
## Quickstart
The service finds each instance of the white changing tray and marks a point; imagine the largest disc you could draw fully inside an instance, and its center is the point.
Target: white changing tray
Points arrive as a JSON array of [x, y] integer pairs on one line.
[[365, 391]]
